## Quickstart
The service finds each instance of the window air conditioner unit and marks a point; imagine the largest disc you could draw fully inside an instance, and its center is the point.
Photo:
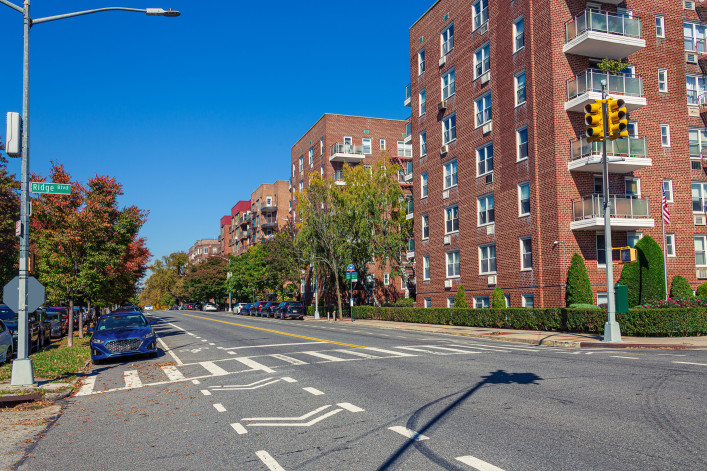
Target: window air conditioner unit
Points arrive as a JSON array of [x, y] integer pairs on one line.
[[485, 77], [442, 61], [444, 149], [483, 29], [448, 283], [442, 105], [693, 111], [489, 178], [491, 229], [486, 128], [447, 240], [696, 165], [701, 274], [689, 5], [699, 220], [492, 280], [445, 194], [691, 58]]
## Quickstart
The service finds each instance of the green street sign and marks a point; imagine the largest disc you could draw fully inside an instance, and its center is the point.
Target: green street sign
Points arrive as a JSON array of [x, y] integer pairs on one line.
[[50, 188]]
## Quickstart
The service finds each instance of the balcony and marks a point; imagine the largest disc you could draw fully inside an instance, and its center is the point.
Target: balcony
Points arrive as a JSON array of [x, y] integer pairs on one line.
[[603, 34], [408, 133], [584, 89], [410, 253], [272, 206], [348, 153], [408, 100], [625, 155], [268, 223], [628, 213]]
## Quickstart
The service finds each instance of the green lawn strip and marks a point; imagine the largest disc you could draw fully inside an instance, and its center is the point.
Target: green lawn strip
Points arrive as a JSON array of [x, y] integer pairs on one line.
[[57, 362]]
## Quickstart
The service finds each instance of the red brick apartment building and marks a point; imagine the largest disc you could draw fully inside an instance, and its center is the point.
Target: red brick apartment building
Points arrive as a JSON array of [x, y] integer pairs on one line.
[[225, 236], [234, 229], [336, 140], [506, 187], [269, 209], [203, 249]]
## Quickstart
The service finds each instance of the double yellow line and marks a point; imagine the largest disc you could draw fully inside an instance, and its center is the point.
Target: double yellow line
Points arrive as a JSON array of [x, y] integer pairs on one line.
[[277, 332]]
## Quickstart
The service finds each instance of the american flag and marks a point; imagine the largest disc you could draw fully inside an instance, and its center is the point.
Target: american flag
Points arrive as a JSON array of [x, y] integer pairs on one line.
[[666, 210]]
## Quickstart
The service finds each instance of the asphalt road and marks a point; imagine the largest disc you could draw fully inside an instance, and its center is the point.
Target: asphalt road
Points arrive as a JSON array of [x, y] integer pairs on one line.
[[244, 393]]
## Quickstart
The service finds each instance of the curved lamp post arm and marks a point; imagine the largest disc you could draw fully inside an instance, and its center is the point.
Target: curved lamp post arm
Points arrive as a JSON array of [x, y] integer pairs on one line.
[[13, 6], [148, 11]]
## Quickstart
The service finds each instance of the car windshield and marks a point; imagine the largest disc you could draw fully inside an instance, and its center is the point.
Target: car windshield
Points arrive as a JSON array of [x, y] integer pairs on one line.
[[53, 316], [6, 314], [63, 312], [296, 304], [121, 322]]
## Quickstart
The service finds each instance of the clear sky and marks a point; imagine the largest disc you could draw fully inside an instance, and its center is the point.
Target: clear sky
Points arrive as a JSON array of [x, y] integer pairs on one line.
[[192, 113]]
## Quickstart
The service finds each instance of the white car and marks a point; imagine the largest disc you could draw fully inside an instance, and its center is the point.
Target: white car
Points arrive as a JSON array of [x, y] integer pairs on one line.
[[210, 307], [149, 307], [237, 308]]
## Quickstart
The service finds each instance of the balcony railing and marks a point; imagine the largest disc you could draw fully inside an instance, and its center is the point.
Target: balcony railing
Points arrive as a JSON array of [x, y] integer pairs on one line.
[[618, 84], [269, 206], [696, 97], [408, 129], [602, 22], [697, 45], [628, 147], [621, 206], [338, 148]]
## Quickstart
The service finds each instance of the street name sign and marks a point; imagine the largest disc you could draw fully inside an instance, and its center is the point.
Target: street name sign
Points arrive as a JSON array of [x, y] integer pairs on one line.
[[35, 294], [50, 188], [353, 276]]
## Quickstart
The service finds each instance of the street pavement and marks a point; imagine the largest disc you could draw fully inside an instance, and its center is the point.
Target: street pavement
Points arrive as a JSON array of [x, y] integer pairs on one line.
[[245, 393]]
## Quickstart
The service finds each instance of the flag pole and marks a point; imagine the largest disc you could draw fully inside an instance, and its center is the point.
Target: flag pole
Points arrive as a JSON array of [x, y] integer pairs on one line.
[[665, 252]]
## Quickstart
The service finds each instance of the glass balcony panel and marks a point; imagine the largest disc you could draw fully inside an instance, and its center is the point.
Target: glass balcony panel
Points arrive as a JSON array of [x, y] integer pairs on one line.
[[616, 83], [615, 24], [597, 21]]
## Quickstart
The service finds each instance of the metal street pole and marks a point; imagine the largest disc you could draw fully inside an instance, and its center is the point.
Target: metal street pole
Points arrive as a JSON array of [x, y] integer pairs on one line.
[[228, 276], [612, 332], [316, 294], [22, 371]]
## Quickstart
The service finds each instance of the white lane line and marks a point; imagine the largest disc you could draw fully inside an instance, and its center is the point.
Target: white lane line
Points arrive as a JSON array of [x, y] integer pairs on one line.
[[173, 373], [391, 352], [628, 358], [671, 354], [478, 464], [690, 363], [255, 365], [304, 424], [89, 382], [204, 340], [239, 428], [213, 368], [273, 345], [176, 326], [449, 349], [350, 407], [219, 407], [211, 343], [196, 381], [269, 461], [244, 388], [290, 360], [325, 356], [356, 353], [289, 380], [132, 379], [206, 392], [303, 417], [189, 333], [232, 353], [406, 432], [197, 337], [169, 350], [314, 391]]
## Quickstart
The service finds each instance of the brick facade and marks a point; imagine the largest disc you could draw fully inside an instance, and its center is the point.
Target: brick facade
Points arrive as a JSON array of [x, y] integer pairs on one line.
[[203, 249], [269, 209]]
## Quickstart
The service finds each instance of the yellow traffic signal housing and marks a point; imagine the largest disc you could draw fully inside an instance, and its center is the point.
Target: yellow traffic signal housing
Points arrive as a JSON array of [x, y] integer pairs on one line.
[[617, 117], [593, 120], [627, 254]]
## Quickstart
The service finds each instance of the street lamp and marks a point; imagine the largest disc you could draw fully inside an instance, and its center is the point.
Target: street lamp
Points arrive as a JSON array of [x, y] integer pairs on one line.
[[22, 373]]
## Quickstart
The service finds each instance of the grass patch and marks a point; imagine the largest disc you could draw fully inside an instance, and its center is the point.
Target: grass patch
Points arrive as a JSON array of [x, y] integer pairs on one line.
[[57, 362]]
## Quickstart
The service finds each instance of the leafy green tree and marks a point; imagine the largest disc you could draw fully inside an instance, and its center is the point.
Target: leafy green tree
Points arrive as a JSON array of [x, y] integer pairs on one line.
[[498, 300], [165, 286], [702, 290], [680, 288], [207, 280], [645, 277], [251, 275], [612, 65], [285, 258], [460, 298], [9, 213], [578, 289]]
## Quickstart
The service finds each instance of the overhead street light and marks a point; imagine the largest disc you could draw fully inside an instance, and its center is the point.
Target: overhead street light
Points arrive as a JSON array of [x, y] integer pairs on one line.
[[22, 373]]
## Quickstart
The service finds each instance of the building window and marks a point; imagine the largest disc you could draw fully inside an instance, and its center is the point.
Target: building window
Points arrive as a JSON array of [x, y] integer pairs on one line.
[[665, 135], [698, 140], [668, 190], [632, 186], [699, 197], [522, 143], [366, 146], [311, 157], [293, 169], [482, 107], [486, 211], [423, 185], [700, 247], [694, 36], [659, 26], [447, 39], [404, 150], [423, 143], [482, 60], [386, 279], [507, 300], [425, 227], [301, 163], [426, 267], [453, 264], [670, 245], [449, 129], [601, 252], [450, 174], [321, 146], [602, 298], [518, 34], [321, 170], [696, 86], [382, 143], [448, 84], [451, 219], [206, 250], [450, 302], [526, 253], [663, 80], [520, 88], [481, 302], [632, 238], [481, 13], [423, 104], [523, 199], [428, 302], [484, 159], [487, 259], [301, 185], [529, 301], [420, 62]]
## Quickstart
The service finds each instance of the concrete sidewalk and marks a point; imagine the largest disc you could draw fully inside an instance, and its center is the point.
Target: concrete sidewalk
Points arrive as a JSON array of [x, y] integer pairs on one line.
[[534, 337]]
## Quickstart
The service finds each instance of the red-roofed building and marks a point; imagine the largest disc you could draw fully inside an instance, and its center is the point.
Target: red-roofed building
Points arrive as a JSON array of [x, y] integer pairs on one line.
[[224, 235], [239, 226]]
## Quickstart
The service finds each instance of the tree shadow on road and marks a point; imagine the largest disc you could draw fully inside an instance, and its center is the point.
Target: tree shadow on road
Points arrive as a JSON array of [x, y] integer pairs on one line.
[[496, 377]]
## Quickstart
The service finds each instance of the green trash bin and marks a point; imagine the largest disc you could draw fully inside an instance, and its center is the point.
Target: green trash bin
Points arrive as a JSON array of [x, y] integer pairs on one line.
[[621, 298]]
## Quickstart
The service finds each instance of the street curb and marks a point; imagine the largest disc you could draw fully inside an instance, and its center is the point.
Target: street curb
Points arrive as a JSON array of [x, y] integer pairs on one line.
[[658, 346]]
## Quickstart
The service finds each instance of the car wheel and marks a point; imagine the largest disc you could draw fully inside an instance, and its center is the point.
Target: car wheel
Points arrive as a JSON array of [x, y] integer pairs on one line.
[[8, 354]]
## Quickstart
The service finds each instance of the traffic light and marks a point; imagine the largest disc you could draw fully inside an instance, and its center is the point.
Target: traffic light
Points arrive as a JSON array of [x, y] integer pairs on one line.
[[594, 122], [617, 116]]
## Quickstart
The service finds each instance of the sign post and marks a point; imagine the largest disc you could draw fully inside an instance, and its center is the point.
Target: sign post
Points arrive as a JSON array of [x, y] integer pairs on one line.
[[352, 276]]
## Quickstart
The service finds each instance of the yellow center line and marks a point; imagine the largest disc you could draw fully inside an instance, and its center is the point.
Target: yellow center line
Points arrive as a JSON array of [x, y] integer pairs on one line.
[[277, 332]]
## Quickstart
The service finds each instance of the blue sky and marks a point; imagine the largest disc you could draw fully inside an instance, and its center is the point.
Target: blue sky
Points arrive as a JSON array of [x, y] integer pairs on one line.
[[192, 113]]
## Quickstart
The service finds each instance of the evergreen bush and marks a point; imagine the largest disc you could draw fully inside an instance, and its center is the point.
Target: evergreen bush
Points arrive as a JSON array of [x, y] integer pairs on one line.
[[578, 290], [498, 300], [680, 288], [460, 299], [702, 290]]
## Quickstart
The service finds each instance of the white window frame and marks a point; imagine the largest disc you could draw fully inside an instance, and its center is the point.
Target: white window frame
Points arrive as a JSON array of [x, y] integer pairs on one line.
[[638, 185], [423, 185], [701, 196], [663, 80], [633, 235], [659, 26], [482, 302], [599, 236], [507, 300], [701, 141], [301, 164], [520, 144], [703, 238], [382, 144], [521, 212], [524, 252], [449, 129], [695, 35], [482, 115], [426, 268], [449, 218], [446, 40], [518, 86], [527, 297], [428, 303], [311, 157], [301, 185], [321, 146], [423, 143], [367, 144], [480, 12], [321, 170], [697, 84], [455, 262], [484, 157], [421, 61], [482, 60], [668, 189], [518, 34], [450, 302], [386, 279], [450, 172], [665, 134], [488, 260], [422, 102], [425, 223], [448, 84], [670, 244], [488, 211]]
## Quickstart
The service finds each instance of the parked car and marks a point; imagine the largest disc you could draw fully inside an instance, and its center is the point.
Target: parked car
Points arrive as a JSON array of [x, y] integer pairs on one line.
[[149, 307], [45, 328], [257, 308], [247, 310], [287, 309], [122, 333], [238, 307], [268, 309], [9, 317], [211, 307], [7, 346], [59, 319]]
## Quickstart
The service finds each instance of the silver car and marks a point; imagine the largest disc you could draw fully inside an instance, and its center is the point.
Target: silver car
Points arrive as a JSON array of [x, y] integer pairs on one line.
[[6, 343]]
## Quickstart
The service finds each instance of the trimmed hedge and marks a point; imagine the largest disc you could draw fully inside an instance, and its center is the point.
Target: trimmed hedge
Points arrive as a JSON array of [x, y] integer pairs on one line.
[[680, 288], [638, 322]]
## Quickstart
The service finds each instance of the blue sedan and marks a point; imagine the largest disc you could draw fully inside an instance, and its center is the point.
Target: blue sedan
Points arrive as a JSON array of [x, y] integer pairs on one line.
[[123, 333]]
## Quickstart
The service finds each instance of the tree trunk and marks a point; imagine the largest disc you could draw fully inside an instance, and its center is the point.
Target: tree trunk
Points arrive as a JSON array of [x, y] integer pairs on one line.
[[70, 341], [371, 294], [89, 316], [80, 324], [338, 293]]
